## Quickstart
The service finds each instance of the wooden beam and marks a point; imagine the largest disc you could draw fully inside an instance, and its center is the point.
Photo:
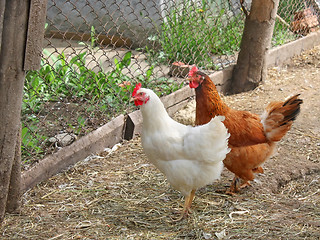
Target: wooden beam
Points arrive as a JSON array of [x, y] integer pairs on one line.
[[14, 194], [177, 96], [278, 55], [13, 39], [176, 107], [35, 35], [2, 7]]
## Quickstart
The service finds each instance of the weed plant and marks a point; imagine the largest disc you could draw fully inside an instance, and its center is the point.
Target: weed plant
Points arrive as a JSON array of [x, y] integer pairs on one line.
[[194, 35]]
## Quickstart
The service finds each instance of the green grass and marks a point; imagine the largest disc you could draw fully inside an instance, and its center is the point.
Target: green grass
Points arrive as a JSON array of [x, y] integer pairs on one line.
[[282, 35], [194, 35], [73, 80]]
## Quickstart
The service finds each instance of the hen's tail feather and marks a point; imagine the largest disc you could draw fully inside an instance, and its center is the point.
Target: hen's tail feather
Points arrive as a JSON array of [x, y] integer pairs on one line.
[[279, 116], [293, 105]]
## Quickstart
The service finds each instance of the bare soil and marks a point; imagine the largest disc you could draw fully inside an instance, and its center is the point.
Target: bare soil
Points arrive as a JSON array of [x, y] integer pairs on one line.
[[121, 196]]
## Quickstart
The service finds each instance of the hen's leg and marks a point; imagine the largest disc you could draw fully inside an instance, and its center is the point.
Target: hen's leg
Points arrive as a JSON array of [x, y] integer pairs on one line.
[[234, 187], [187, 205], [191, 197]]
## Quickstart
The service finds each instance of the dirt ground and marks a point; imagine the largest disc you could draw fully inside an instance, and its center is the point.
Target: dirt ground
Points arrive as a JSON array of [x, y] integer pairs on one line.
[[122, 196]]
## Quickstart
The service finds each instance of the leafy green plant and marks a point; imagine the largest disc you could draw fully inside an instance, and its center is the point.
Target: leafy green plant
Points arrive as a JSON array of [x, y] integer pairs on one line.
[[226, 36], [74, 80], [93, 40], [183, 37], [31, 141], [282, 34], [81, 121], [161, 86], [93, 37], [193, 35], [71, 79], [68, 80]]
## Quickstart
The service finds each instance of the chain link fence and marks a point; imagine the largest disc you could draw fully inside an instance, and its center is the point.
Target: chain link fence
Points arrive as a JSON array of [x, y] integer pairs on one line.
[[95, 51]]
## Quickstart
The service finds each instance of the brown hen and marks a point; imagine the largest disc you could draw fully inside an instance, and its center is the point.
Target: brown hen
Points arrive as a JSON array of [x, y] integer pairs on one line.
[[253, 138]]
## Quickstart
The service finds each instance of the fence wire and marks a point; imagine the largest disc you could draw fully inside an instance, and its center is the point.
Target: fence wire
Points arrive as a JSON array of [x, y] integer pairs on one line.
[[96, 51]]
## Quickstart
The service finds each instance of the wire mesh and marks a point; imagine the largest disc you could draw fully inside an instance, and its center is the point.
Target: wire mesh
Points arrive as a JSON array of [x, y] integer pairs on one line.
[[95, 51]]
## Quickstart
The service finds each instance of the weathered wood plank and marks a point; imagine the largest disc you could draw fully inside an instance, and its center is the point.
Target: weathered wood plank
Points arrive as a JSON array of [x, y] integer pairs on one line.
[[279, 55], [35, 35], [177, 96], [12, 76], [14, 194], [95, 142], [219, 78], [175, 108]]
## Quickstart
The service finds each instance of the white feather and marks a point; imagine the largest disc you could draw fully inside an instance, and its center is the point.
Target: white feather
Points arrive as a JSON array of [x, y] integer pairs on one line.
[[190, 157]]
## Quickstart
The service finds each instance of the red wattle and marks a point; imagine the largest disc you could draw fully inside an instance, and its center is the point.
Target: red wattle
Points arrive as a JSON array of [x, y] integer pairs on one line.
[[193, 84], [138, 102]]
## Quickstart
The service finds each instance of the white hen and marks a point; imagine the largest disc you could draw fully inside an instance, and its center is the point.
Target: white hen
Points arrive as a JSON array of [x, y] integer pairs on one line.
[[190, 157]]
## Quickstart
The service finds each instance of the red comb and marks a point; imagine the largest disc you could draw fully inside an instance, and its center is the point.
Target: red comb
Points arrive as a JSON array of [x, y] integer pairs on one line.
[[138, 86], [193, 70]]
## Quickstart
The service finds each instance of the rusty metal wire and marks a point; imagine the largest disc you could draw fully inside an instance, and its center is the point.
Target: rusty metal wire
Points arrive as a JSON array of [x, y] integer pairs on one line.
[[95, 51]]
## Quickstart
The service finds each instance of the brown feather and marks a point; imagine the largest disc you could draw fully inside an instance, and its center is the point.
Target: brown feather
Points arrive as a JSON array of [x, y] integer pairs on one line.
[[280, 116], [251, 141]]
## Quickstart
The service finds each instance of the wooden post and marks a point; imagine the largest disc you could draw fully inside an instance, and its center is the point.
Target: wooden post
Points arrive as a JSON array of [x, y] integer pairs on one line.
[[12, 76], [256, 40], [2, 6], [35, 34], [14, 19], [14, 192]]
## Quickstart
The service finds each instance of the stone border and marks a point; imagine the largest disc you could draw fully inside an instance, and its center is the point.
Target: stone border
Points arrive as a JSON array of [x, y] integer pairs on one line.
[[128, 127]]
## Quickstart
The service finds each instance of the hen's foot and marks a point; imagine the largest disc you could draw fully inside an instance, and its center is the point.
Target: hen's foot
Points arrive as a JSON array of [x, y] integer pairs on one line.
[[187, 207], [234, 187], [184, 214], [245, 184]]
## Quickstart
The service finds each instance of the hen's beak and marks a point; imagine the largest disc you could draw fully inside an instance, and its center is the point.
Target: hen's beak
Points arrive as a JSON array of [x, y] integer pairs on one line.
[[131, 99]]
